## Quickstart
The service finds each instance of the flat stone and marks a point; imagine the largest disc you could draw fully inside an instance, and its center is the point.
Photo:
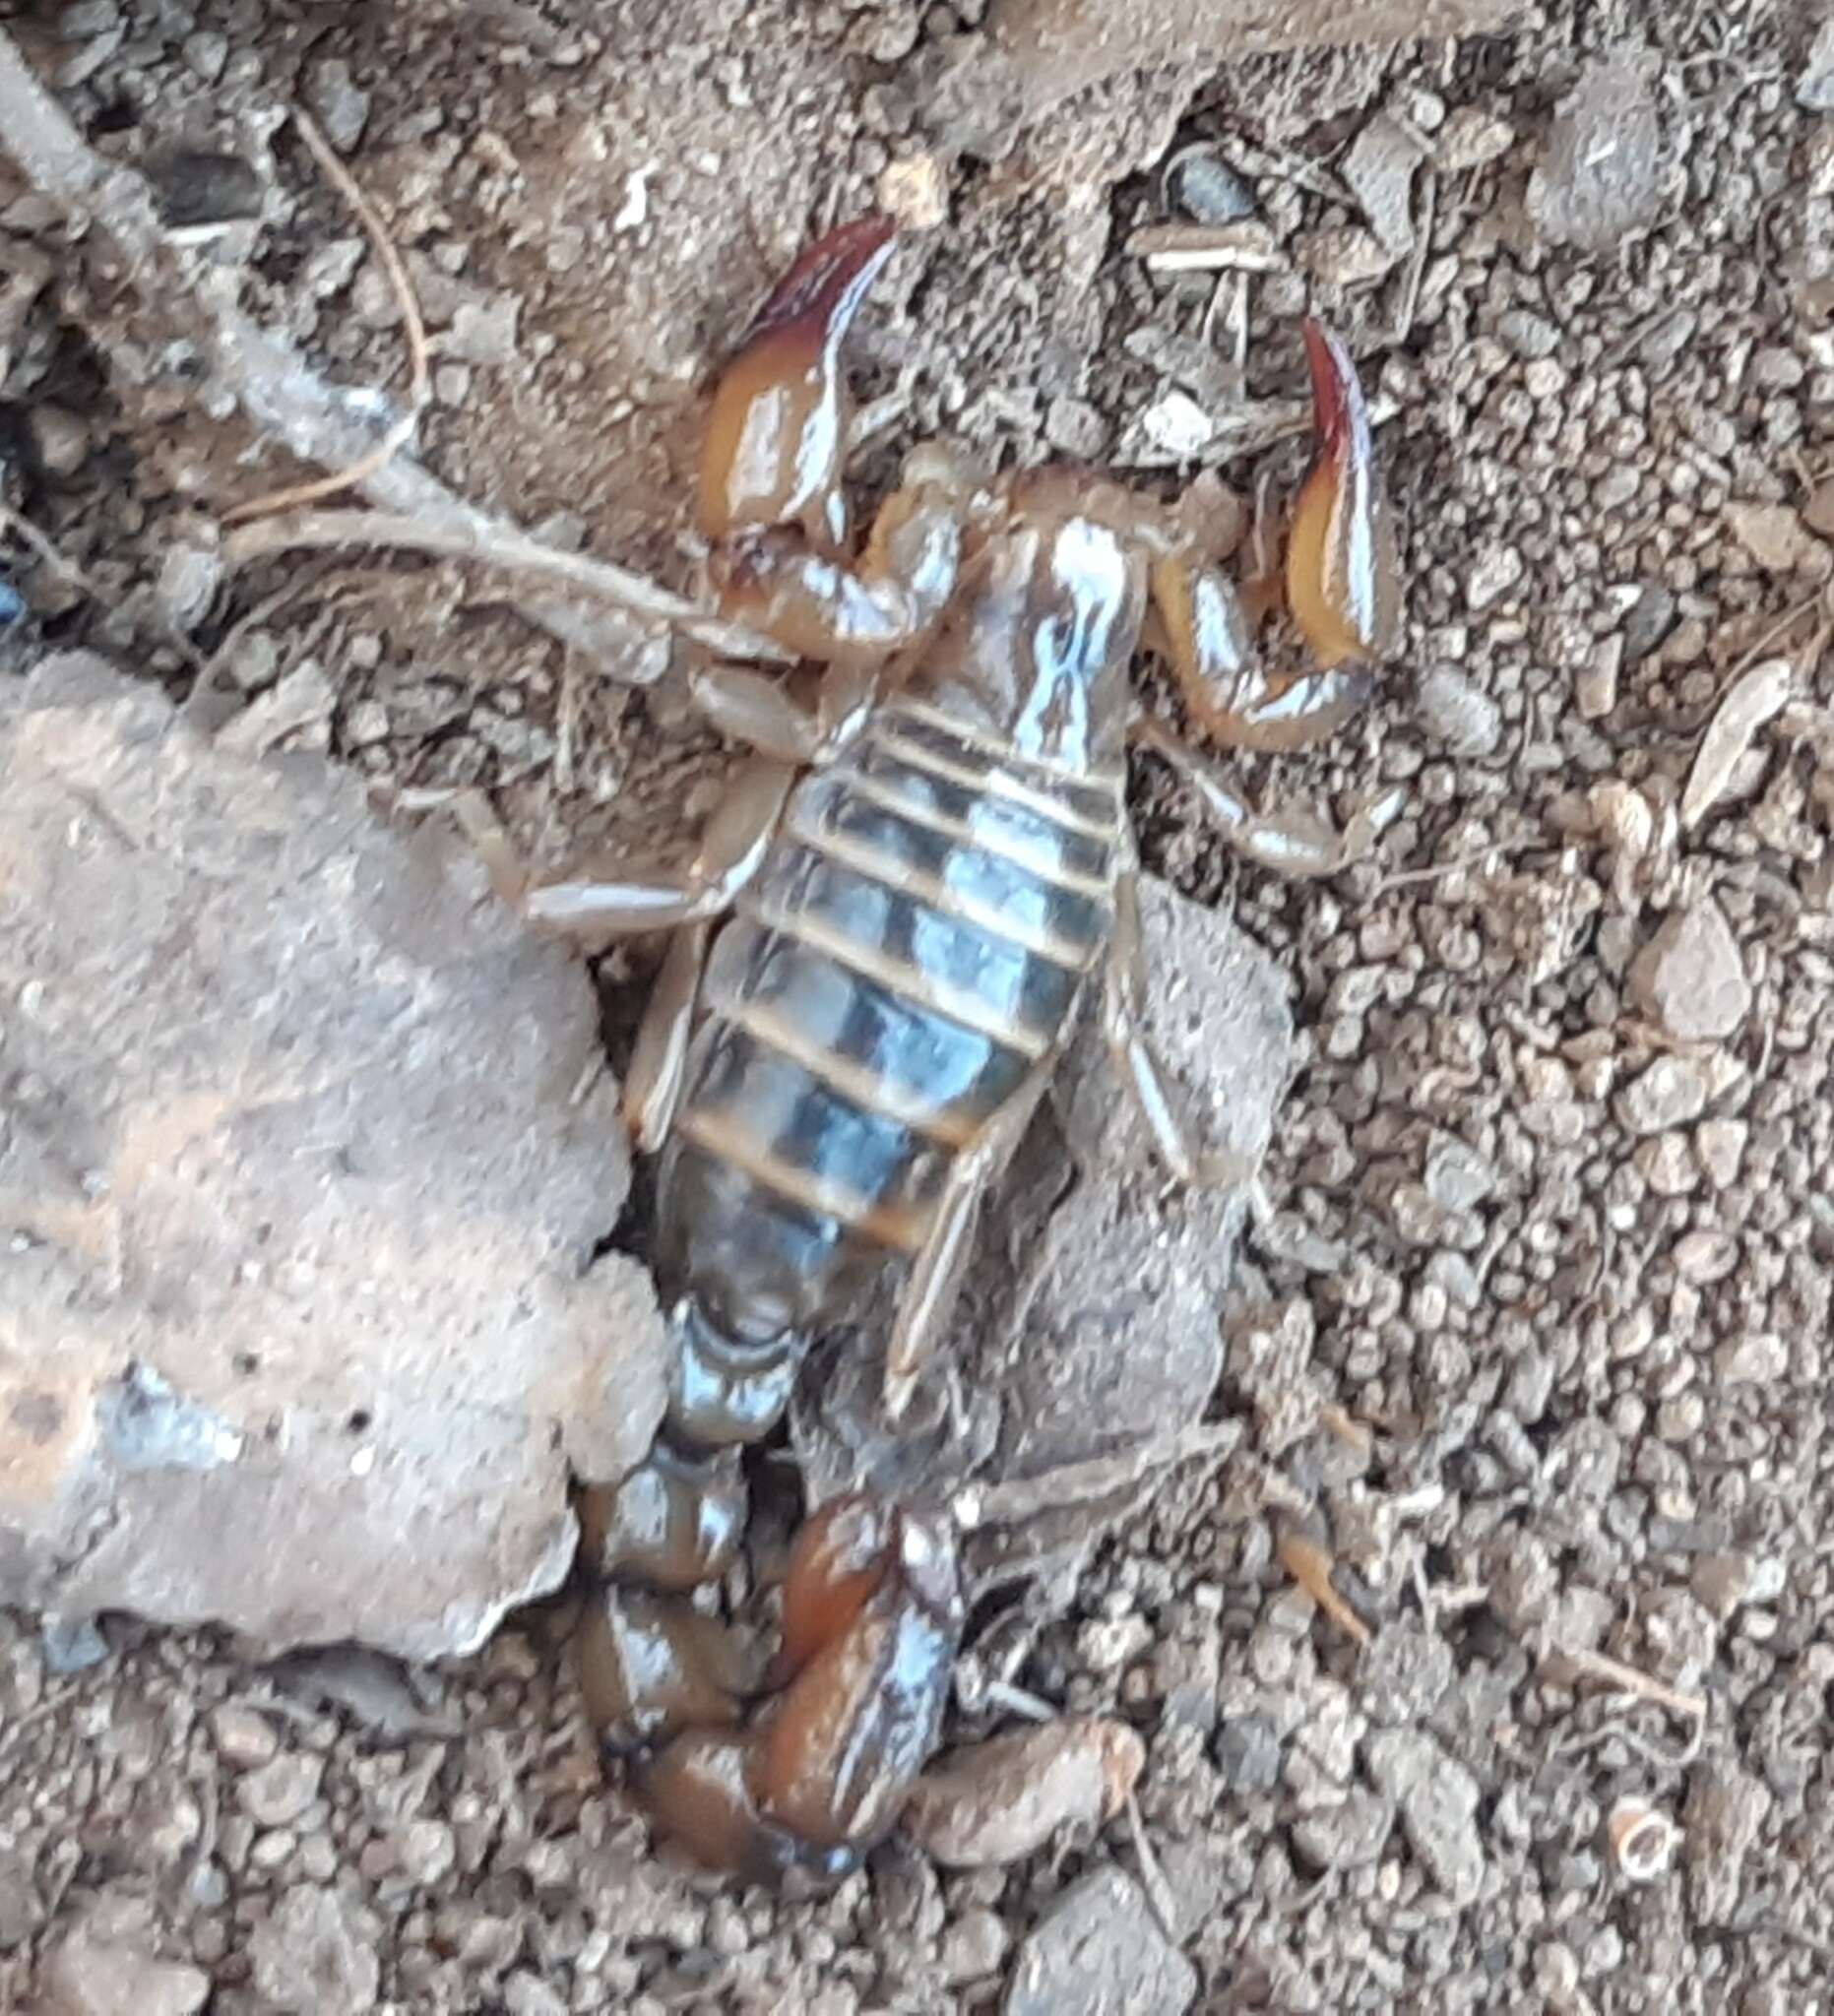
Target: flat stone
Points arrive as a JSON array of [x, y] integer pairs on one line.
[[1602, 168], [110, 1966], [1671, 1092], [304, 1153], [315, 1956], [281, 1789], [1689, 977], [1099, 1952]]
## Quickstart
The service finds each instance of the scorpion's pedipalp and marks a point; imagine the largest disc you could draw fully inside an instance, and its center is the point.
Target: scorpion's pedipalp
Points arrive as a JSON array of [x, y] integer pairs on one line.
[[778, 581], [1339, 585], [778, 429], [1342, 570]]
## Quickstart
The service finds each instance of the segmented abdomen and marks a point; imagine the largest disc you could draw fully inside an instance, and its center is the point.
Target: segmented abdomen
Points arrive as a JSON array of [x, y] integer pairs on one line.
[[914, 945]]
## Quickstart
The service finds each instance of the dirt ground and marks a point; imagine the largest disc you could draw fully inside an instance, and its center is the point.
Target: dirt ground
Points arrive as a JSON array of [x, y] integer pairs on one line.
[[1537, 1337]]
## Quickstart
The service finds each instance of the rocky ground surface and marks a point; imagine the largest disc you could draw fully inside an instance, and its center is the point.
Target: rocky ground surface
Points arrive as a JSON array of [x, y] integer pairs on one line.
[[1531, 1347]]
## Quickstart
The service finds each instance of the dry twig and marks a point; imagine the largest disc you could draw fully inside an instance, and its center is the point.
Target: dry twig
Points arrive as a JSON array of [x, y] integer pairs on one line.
[[285, 400], [402, 432], [501, 545], [1309, 1565], [1600, 1666]]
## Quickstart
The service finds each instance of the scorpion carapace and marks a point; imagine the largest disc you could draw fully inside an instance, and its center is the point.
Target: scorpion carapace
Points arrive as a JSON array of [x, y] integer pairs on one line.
[[878, 958]]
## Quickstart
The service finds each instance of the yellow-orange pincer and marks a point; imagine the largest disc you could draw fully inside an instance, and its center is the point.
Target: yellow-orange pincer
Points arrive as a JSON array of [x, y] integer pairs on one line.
[[1343, 573], [778, 428]]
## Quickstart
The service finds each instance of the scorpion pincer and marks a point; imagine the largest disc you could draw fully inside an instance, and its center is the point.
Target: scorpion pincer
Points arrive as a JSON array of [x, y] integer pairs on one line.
[[877, 957]]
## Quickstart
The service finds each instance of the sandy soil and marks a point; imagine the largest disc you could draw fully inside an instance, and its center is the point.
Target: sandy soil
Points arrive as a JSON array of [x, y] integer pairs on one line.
[[1538, 1339]]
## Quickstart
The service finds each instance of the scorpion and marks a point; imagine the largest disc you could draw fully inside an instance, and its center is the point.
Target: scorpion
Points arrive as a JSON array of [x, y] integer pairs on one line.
[[875, 961]]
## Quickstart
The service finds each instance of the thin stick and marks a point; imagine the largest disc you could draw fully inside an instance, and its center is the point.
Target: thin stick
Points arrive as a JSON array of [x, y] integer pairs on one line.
[[1601, 1666], [499, 545], [282, 398], [402, 431], [1152, 1876], [1077, 1484], [41, 543]]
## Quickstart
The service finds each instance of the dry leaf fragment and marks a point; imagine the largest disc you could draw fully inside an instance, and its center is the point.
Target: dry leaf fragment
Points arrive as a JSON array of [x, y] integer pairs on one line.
[[1749, 702]]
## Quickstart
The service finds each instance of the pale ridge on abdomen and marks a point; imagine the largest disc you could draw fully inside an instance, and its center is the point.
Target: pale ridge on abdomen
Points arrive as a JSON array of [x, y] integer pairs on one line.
[[914, 945]]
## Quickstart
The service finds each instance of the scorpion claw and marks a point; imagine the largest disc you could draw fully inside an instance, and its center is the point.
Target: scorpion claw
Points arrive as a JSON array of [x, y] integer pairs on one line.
[[1342, 568], [776, 435]]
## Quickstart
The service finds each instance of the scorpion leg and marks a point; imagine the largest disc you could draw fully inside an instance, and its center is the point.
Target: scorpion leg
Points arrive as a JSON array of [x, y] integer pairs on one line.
[[849, 614], [750, 708], [929, 1292], [731, 853], [659, 1058], [1160, 1103], [1292, 841]]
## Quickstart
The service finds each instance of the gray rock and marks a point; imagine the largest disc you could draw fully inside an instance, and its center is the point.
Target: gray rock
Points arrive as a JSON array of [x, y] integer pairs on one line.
[[1438, 1800], [1600, 171], [1098, 1952], [110, 1966], [1671, 1092], [1348, 1835], [1248, 1753], [21, 1909], [1689, 977], [299, 1199], [1726, 1807], [1207, 189], [343, 109], [1457, 712], [315, 1955], [281, 1790]]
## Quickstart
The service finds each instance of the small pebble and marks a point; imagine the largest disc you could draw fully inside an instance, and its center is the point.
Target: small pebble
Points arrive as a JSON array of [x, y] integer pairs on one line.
[[243, 1737], [335, 100], [1689, 979], [1203, 185], [281, 1791]]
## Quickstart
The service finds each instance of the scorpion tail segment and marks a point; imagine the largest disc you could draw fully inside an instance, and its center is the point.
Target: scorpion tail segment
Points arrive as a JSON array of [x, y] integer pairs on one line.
[[1342, 571], [698, 1789], [648, 1667], [673, 1523], [846, 1740], [778, 429]]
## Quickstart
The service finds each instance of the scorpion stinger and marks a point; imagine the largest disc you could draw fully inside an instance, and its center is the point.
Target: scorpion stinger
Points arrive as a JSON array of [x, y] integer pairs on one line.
[[884, 948]]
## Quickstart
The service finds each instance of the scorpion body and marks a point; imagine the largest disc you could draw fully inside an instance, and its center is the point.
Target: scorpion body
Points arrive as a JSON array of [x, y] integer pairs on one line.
[[878, 958]]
